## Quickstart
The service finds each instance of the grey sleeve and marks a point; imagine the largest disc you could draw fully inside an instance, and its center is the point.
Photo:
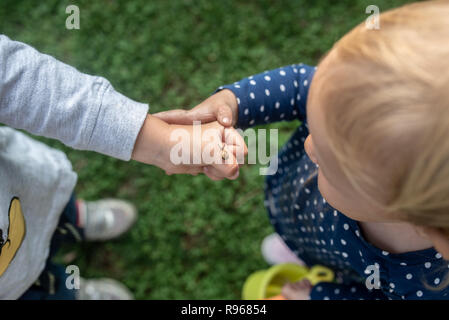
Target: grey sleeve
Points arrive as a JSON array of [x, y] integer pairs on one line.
[[49, 98]]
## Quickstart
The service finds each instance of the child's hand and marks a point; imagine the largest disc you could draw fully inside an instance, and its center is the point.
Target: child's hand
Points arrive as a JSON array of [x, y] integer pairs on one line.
[[208, 148], [297, 291], [221, 107], [216, 152]]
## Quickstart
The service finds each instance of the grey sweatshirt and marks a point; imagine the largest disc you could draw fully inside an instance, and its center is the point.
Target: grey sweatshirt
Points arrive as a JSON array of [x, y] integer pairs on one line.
[[49, 98]]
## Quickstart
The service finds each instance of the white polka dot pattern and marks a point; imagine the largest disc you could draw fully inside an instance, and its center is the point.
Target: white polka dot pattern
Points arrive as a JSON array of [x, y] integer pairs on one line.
[[313, 230]]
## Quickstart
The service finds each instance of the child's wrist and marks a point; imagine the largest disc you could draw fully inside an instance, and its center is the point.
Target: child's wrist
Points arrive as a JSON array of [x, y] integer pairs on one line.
[[151, 142]]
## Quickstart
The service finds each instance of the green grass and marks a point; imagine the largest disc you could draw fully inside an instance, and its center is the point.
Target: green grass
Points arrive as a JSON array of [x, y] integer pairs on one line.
[[195, 239]]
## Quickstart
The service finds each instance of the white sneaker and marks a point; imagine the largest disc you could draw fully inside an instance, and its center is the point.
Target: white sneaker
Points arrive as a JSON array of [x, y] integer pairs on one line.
[[275, 251], [102, 289], [105, 219]]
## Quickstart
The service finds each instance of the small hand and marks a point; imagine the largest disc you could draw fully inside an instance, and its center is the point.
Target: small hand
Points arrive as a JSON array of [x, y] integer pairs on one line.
[[297, 291], [232, 150], [221, 107], [156, 142]]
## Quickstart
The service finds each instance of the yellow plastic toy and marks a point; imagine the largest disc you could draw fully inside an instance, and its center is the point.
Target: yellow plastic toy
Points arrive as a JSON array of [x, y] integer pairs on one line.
[[267, 284], [15, 236]]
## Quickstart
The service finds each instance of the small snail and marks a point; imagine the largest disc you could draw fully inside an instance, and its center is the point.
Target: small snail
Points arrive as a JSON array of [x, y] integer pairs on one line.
[[224, 153]]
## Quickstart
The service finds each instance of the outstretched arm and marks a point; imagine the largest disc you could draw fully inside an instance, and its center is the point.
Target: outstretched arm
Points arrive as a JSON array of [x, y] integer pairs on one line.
[[271, 96], [49, 98], [276, 95]]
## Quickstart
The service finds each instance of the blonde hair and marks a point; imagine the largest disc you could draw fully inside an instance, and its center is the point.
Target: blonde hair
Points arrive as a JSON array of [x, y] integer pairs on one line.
[[386, 100]]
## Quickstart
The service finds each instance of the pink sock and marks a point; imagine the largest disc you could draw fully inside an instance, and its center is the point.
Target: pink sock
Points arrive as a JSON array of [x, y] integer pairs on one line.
[[275, 251]]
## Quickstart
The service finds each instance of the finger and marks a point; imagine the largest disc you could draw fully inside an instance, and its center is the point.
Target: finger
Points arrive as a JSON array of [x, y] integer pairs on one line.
[[288, 292], [230, 172], [291, 292], [236, 142], [238, 153], [224, 115], [178, 116], [211, 174], [193, 170], [235, 176], [204, 112], [215, 173], [183, 169], [287, 286], [208, 112], [300, 285], [227, 167], [233, 137], [219, 175], [307, 283]]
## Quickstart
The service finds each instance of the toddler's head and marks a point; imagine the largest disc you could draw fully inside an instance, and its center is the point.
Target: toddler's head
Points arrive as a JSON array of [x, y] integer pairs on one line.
[[378, 116]]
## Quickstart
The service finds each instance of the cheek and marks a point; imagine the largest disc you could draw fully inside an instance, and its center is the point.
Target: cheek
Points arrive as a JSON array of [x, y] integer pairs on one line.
[[351, 206], [325, 189], [336, 200]]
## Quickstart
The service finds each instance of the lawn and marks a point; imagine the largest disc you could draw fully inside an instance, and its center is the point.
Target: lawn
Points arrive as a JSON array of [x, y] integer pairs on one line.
[[195, 238]]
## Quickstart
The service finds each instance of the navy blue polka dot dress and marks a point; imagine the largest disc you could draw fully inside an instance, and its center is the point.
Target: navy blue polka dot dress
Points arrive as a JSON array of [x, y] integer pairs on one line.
[[313, 230]]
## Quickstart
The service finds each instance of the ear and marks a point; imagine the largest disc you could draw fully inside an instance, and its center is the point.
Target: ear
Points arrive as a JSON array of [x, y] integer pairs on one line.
[[439, 239]]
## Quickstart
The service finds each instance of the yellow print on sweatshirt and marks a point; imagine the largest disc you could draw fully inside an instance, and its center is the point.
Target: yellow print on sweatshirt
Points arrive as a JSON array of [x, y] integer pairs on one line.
[[15, 235]]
